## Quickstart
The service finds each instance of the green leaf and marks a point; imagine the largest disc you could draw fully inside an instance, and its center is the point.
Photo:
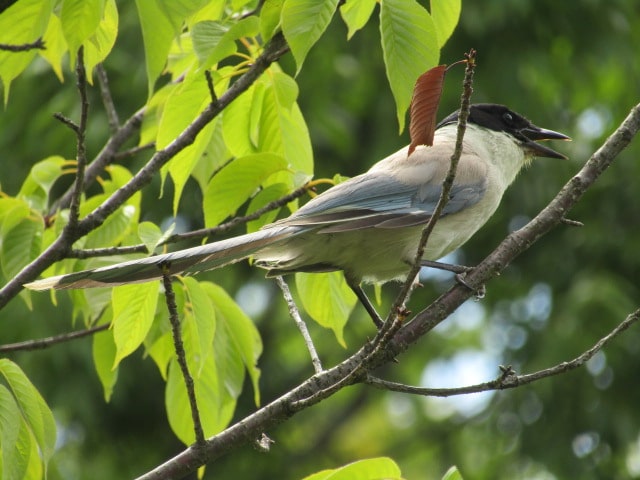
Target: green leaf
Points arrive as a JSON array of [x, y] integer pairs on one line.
[[409, 47], [240, 334], [152, 236], [356, 14], [33, 409], [56, 46], [212, 406], [157, 35], [23, 22], [21, 245], [36, 187], [240, 119], [13, 463], [282, 128], [233, 185], [12, 212], [80, 20], [381, 468], [200, 314], [184, 104], [303, 23], [134, 307], [104, 356], [214, 41], [159, 340], [452, 474], [327, 299], [445, 14], [99, 45], [212, 159], [265, 196], [270, 18]]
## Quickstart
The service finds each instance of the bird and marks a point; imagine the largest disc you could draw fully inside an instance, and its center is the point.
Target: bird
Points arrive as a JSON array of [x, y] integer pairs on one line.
[[370, 225]]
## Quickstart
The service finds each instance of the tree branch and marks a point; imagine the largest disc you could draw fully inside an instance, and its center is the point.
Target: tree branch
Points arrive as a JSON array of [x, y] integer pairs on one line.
[[49, 341], [36, 45], [107, 99], [508, 378], [295, 314]]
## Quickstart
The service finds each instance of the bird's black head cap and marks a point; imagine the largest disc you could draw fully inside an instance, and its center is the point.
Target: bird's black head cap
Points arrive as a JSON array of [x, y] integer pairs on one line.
[[501, 119]]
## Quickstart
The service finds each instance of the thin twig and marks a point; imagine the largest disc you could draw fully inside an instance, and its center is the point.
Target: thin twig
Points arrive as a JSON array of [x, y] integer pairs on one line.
[[170, 298], [210, 84], [67, 121], [81, 148], [106, 156], [134, 151], [508, 378], [295, 314], [37, 45], [465, 103], [107, 99], [42, 343]]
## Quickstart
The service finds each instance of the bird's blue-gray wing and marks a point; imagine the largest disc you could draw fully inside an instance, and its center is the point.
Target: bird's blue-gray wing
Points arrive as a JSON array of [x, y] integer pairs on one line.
[[380, 201]]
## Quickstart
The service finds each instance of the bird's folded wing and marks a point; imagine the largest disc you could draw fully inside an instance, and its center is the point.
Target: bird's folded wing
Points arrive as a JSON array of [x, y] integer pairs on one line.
[[377, 201]]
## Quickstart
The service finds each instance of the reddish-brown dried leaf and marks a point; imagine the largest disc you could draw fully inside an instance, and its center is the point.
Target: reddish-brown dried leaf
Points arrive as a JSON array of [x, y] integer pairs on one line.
[[424, 107]]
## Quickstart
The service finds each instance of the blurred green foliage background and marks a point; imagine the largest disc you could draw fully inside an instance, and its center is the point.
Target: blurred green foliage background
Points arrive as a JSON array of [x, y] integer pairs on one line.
[[569, 66]]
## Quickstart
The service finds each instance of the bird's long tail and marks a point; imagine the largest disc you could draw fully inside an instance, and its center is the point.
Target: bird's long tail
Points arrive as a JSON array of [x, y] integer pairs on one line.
[[191, 260]]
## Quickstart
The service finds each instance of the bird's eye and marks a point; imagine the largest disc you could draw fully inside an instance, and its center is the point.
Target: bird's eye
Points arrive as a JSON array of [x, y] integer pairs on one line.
[[507, 118]]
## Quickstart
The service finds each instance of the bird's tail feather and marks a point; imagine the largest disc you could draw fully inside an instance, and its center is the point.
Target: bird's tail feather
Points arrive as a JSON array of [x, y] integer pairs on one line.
[[191, 260]]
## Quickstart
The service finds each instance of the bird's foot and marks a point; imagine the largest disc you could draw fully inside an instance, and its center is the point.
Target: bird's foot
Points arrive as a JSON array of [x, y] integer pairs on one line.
[[479, 292]]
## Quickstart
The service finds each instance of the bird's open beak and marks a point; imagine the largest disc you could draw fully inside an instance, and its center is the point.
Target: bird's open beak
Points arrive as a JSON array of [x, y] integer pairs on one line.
[[533, 134]]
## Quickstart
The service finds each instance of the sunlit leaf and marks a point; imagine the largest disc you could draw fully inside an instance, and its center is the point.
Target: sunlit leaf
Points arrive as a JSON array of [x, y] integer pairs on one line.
[[409, 47], [266, 195], [104, 355], [33, 409], [356, 14], [304, 22], [80, 20], [21, 245], [327, 299], [103, 39], [381, 468], [22, 22], [445, 14], [242, 335], [134, 307], [233, 185], [452, 474], [157, 34], [270, 18]]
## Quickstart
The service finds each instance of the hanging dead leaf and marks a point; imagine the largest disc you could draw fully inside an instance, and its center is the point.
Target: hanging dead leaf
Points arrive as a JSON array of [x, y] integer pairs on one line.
[[424, 107]]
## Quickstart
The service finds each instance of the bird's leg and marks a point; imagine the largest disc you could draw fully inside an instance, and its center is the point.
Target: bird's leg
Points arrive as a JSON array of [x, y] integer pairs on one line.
[[449, 267], [366, 303], [460, 272]]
